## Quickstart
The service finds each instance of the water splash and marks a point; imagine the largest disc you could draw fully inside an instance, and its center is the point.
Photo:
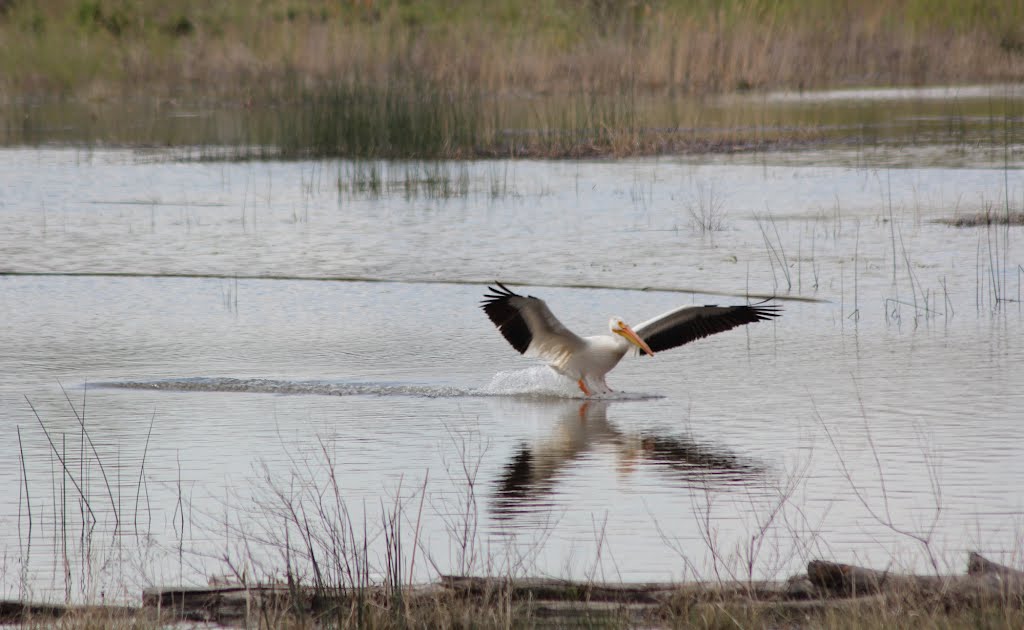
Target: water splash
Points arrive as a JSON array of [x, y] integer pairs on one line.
[[542, 382], [538, 381]]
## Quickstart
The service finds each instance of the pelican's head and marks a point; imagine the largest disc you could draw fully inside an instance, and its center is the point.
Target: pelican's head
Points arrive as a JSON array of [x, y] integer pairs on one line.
[[621, 328]]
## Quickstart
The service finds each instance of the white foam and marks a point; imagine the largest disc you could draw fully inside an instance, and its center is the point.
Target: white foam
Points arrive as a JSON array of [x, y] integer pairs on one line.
[[543, 382], [540, 381]]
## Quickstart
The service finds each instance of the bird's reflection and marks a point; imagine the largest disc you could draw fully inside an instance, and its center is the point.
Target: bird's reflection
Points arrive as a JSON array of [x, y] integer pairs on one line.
[[533, 472]]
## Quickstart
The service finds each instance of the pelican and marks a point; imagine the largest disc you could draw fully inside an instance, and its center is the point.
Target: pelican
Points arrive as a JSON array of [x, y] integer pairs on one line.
[[528, 324]]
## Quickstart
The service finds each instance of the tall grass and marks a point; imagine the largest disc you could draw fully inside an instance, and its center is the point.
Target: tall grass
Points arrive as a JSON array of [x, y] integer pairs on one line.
[[416, 118], [594, 46], [427, 79], [411, 120]]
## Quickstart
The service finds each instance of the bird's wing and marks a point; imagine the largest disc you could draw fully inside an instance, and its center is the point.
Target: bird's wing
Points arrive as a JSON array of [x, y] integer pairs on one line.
[[688, 323], [528, 324]]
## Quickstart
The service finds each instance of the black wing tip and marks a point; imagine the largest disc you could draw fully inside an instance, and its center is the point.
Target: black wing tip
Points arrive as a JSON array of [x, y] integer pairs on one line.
[[507, 317], [763, 311], [761, 314], [497, 295]]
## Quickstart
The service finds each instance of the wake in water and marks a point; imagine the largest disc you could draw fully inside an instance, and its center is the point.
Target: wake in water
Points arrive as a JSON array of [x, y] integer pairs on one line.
[[533, 382], [272, 386]]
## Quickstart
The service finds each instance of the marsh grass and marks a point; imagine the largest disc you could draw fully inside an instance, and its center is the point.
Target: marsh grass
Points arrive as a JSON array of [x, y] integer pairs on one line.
[[707, 611], [86, 519], [504, 46], [413, 118], [422, 120], [437, 79], [776, 251], [410, 120], [993, 269]]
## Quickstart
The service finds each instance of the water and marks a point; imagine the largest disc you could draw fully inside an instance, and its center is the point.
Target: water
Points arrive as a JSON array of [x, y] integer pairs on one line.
[[245, 339]]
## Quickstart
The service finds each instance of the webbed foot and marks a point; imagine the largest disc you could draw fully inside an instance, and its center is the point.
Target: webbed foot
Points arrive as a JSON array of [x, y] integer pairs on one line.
[[583, 387]]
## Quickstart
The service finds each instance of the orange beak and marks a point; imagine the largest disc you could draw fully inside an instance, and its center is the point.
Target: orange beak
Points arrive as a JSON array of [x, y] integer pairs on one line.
[[632, 338]]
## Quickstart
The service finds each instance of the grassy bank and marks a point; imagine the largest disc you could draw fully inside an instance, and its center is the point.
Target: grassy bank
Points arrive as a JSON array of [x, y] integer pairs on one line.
[[437, 78], [236, 48], [500, 603], [694, 607]]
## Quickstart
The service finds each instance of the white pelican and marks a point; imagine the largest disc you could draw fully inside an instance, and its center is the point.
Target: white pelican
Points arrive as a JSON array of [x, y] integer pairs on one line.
[[528, 324]]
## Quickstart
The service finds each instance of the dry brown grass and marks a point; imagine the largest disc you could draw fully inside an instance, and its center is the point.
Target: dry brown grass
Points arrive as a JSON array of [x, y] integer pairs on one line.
[[497, 610]]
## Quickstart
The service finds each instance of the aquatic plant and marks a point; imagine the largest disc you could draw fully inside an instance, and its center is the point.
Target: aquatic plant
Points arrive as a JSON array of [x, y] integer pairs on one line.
[[706, 210]]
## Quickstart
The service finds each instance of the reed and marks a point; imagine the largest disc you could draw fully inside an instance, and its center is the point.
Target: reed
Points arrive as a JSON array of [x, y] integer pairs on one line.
[[412, 120], [411, 179], [776, 252]]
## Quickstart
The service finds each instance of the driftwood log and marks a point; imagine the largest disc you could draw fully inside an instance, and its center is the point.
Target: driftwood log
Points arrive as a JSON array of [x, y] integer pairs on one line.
[[19, 612], [984, 582], [825, 586], [539, 589], [222, 604], [979, 565]]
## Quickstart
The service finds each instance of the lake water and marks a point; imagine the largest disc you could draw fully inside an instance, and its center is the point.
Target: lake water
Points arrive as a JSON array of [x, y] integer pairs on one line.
[[262, 350]]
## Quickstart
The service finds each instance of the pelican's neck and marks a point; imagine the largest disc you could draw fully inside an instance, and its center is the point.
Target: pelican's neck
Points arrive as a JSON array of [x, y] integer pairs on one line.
[[611, 343]]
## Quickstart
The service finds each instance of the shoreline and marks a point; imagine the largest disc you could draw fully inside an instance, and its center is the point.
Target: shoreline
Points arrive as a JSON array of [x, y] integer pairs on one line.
[[857, 595]]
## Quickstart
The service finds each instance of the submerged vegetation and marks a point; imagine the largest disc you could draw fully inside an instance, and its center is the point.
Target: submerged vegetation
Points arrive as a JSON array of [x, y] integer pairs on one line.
[[984, 218], [432, 180], [440, 79]]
